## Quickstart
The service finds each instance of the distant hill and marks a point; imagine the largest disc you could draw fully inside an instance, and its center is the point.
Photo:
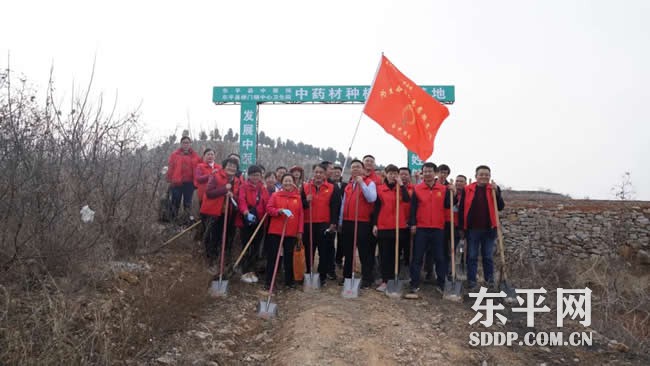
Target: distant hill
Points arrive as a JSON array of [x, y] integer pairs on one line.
[[513, 195]]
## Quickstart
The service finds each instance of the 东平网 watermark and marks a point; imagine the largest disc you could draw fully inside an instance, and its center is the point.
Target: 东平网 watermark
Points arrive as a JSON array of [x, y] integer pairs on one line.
[[573, 303]]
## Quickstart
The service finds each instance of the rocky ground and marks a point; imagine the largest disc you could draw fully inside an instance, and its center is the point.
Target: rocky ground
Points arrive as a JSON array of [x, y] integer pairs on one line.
[[322, 328]]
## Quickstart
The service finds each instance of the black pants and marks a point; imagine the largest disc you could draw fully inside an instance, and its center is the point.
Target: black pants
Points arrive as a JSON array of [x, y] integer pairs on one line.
[[184, 191], [272, 245], [339, 249], [250, 257], [366, 257], [213, 234], [324, 243], [405, 246], [372, 247], [425, 239], [386, 240]]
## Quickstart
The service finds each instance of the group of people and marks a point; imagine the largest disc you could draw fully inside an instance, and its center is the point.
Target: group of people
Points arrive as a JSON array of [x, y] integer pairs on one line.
[[382, 208]]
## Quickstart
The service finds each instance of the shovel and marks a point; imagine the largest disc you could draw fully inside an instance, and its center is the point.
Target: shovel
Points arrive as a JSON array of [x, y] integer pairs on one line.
[[453, 288], [175, 237], [267, 309], [351, 285], [311, 280], [394, 287], [462, 251], [236, 267], [511, 294], [219, 288]]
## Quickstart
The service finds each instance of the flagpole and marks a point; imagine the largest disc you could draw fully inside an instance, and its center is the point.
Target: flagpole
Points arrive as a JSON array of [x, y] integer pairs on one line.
[[356, 129]]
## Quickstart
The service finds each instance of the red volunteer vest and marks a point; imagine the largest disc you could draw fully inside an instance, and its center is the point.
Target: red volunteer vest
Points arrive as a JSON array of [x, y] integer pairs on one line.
[[320, 204], [431, 206], [365, 207]]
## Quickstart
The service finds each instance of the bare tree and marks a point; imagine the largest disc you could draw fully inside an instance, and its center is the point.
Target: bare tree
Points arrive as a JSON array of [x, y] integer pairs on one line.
[[624, 190]]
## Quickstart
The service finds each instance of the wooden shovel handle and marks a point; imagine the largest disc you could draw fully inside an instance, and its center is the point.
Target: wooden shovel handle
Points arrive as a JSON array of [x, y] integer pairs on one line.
[[397, 189], [499, 235], [259, 225]]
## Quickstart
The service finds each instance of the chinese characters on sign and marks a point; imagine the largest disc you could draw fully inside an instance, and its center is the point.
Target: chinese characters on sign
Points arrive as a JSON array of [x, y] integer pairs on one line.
[[312, 94], [414, 162], [248, 135], [574, 303], [251, 96]]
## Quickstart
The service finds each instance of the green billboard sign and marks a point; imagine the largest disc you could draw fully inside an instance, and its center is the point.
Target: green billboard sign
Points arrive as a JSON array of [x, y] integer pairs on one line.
[[251, 96], [414, 162], [312, 94]]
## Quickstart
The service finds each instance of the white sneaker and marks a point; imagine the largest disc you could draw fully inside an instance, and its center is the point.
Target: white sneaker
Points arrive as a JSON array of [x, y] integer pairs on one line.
[[246, 278], [254, 278], [382, 287]]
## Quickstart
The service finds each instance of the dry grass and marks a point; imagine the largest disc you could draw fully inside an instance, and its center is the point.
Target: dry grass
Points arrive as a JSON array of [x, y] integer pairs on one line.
[[620, 298], [107, 322]]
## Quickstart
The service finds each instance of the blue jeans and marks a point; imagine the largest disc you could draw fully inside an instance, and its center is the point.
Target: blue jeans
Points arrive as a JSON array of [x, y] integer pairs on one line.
[[429, 239], [482, 240]]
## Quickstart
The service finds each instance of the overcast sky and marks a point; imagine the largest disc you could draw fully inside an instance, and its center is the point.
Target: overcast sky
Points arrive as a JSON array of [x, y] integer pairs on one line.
[[550, 94]]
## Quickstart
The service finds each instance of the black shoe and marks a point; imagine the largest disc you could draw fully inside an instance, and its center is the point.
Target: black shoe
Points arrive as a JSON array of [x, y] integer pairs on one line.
[[342, 282], [366, 284], [291, 286], [323, 282], [331, 276]]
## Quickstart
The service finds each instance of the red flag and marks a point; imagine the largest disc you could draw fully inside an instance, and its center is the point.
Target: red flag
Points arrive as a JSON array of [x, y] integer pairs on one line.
[[405, 110]]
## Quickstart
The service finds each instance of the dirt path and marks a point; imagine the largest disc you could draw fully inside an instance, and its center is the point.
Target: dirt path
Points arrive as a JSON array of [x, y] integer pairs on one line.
[[324, 329]]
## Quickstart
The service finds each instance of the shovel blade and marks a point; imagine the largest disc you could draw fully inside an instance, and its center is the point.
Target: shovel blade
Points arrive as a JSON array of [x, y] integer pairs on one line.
[[311, 281], [267, 310], [351, 288], [453, 291], [218, 288], [511, 294], [462, 273], [394, 288]]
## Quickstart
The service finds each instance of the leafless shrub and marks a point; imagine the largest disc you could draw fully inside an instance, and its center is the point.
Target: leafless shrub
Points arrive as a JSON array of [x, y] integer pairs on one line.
[[53, 162], [620, 298]]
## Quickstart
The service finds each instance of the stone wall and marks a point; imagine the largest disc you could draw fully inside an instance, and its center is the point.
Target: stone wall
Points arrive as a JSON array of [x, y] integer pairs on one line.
[[581, 229]]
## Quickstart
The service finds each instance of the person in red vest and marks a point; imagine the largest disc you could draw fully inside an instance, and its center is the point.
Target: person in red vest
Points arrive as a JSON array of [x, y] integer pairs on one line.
[[203, 171], [338, 194], [201, 175], [371, 166], [180, 175], [285, 203], [323, 199], [371, 172], [478, 219], [384, 217], [361, 192], [405, 176], [427, 221], [253, 198], [222, 185], [443, 174]]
